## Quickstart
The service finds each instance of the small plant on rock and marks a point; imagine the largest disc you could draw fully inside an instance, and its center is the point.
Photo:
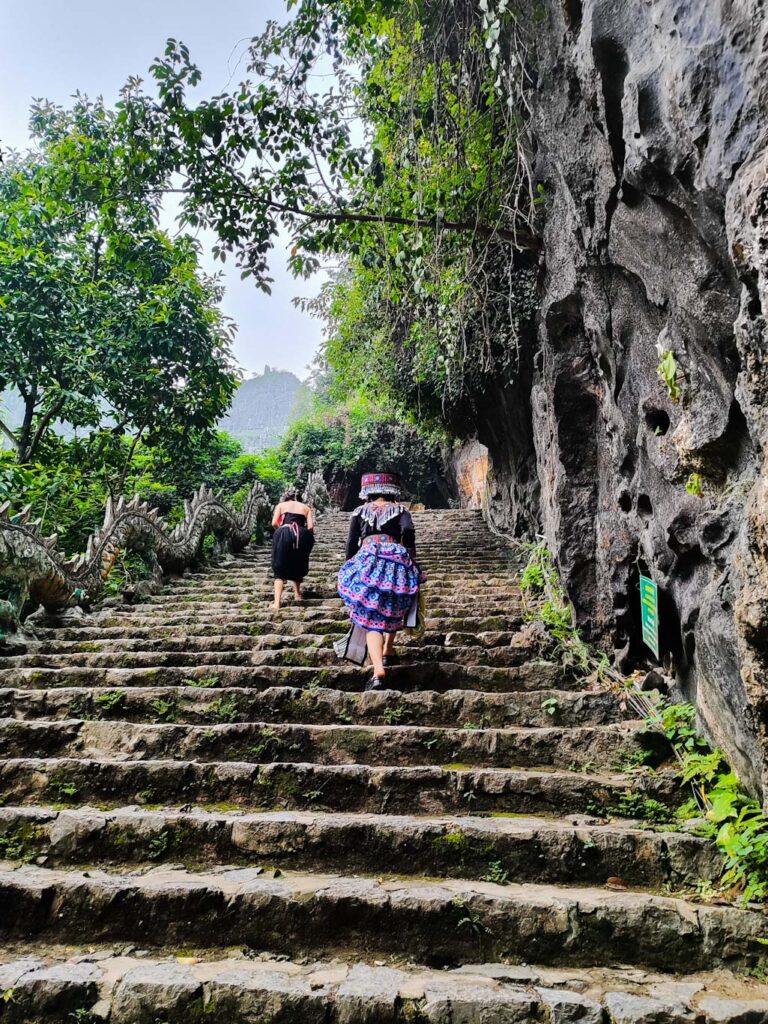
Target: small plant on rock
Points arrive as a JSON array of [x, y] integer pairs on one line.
[[110, 701], [165, 710], [63, 788], [668, 371], [694, 485], [550, 706], [393, 715], [496, 873], [267, 742], [224, 711], [469, 918], [160, 845]]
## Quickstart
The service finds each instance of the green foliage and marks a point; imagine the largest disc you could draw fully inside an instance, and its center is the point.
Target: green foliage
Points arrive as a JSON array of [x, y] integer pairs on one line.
[[667, 371], [431, 219], [532, 578], [546, 602], [351, 437], [20, 844], [496, 873], [635, 805], [110, 701], [63, 788], [694, 485], [165, 710], [159, 845], [224, 711], [69, 486], [202, 682], [267, 742], [468, 918], [737, 821], [550, 705], [103, 316], [678, 723]]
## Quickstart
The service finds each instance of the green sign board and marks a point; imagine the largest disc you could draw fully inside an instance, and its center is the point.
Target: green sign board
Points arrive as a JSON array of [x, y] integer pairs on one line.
[[649, 613]]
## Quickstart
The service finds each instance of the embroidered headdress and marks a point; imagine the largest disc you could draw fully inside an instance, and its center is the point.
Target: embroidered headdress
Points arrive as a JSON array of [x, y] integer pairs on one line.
[[380, 483]]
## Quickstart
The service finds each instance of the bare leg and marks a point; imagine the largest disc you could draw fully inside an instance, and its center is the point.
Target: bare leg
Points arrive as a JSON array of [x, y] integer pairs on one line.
[[389, 644], [375, 643], [297, 590], [279, 584]]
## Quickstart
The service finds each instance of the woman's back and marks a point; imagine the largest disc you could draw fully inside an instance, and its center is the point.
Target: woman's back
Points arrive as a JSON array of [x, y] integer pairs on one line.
[[297, 508]]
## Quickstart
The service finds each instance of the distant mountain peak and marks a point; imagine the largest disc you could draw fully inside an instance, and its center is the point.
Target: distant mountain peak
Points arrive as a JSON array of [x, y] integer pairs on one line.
[[263, 407]]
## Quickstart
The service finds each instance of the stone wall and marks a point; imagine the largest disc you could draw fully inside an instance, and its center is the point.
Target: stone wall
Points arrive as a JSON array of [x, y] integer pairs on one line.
[[650, 130]]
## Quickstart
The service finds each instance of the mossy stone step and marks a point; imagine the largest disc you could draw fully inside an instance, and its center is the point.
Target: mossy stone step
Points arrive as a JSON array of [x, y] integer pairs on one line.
[[575, 748], [411, 790], [212, 702], [579, 849], [436, 675], [301, 912]]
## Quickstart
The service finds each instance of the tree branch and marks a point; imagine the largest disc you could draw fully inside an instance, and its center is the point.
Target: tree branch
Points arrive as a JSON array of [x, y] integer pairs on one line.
[[43, 425], [522, 237], [30, 400], [124, 472]]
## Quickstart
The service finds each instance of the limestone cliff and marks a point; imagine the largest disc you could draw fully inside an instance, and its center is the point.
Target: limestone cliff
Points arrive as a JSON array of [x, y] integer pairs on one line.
[[651, 128], [263, 407]]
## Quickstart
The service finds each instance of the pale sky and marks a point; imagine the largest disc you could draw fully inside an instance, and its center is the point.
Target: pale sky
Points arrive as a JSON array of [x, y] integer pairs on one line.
[[51, 49]]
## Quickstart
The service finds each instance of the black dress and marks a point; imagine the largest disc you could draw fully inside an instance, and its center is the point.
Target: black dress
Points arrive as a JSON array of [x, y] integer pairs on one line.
[[291, 548]]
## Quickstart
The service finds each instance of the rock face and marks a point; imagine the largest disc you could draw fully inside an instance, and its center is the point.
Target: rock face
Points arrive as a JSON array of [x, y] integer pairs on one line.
[[650, 128], [263, 408]]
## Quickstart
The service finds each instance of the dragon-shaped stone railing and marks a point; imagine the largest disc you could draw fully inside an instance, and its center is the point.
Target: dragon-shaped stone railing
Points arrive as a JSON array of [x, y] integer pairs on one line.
[[34, 572]]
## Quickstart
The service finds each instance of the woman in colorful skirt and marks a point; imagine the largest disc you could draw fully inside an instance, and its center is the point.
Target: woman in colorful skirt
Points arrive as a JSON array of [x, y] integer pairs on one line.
[[292, 543], [379, 582]]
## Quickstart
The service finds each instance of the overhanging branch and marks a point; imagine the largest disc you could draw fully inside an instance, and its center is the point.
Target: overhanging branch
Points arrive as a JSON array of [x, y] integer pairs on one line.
[[521, 237]]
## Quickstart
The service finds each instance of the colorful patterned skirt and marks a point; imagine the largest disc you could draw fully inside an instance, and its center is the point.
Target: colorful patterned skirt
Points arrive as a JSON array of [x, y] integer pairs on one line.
[[379, 585]]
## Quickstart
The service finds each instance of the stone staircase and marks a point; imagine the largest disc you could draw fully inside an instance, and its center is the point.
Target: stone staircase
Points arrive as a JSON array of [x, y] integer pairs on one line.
[[204, 818]]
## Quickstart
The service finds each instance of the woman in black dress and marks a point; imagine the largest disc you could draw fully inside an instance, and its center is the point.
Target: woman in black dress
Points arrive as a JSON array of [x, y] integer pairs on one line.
[[292, 543]]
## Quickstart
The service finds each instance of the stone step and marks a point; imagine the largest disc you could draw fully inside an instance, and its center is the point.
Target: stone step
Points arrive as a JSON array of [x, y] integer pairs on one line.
[[396, 790], [133, 987], [575, 748], [461, 778], [447, 922], [331, 618], [482, 578], [320, 654], [291, 621], [259, 599], [208, 704], [126, 641], [467, 606], [517, 849], [239, 635], [437, 675]]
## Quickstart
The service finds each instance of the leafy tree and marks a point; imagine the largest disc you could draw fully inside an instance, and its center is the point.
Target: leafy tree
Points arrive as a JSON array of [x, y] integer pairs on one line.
[[347, 438], [276, 152], [435, 215], [102, 315]]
